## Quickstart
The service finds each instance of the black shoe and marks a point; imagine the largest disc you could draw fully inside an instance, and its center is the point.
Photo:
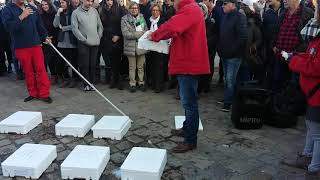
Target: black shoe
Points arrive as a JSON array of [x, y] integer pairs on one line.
[[47, 100], [142, 87], [29, 98], [132, 89], [120, 86], [226, 108]]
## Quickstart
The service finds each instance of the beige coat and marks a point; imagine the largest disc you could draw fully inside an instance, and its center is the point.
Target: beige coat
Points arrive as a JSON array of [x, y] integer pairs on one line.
[[131, 36]]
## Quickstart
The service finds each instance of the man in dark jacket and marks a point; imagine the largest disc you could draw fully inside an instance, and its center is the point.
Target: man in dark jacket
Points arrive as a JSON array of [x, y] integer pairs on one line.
[[145, 6], [289, 39], [22, 21], [271, 27], [167, 9], [233, 36]]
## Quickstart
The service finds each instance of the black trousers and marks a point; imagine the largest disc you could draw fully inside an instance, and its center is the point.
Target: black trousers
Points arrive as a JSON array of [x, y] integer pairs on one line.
[[205, 80], [87, 61], [5, 48], [115, 61], [50, 59], [157, 69], [62, 68]]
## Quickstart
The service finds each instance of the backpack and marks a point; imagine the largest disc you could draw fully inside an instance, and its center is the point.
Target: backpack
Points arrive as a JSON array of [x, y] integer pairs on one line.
[[287, 105]]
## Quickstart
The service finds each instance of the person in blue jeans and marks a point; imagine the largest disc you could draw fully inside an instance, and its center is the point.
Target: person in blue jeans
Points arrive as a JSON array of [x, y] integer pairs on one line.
[[188, 60], [232, 40]]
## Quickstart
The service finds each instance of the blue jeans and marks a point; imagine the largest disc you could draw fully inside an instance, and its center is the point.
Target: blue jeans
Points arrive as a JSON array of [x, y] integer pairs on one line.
[[312, 145], [188, 85], [230, 68]]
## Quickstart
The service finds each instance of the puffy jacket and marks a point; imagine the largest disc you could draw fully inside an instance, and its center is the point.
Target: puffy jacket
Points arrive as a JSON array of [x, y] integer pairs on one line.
[[189, 51], [131, 36], [233, 35], [308, 65]]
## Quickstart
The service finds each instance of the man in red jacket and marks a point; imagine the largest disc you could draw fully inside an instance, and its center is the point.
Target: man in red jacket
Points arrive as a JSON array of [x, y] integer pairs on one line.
[[188, 59]]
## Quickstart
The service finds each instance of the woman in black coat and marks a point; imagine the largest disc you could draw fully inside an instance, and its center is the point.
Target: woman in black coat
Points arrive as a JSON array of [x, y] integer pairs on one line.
[[112, 41], [67, 44], [157, 59], [212, 38], [47, 13]]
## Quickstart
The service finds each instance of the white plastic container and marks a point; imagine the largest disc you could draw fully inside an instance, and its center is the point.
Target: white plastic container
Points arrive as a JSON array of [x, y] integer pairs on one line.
[[114, 127], [179, 122], [29, 161], [144, 164], [21, 122], [86, 162], [77, 125]]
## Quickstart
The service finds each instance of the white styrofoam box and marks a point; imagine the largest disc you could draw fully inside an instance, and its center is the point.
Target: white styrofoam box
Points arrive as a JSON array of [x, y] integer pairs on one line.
[[29, 161], [86, 162], [144, 164], [179, 122], [21, 122], [77, 125], [162, 46], [114, 127]]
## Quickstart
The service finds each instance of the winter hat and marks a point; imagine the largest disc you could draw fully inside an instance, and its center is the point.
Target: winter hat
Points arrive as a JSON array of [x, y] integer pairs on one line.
[[204, 9], [249, 3], [230, 1]]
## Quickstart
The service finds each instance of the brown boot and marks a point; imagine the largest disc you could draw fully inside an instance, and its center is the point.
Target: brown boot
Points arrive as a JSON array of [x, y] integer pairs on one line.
[[183, 147], [301, 162]]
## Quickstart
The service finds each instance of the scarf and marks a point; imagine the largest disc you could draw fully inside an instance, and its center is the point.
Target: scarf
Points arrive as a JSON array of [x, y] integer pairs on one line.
[[311, 30], [154, 24]]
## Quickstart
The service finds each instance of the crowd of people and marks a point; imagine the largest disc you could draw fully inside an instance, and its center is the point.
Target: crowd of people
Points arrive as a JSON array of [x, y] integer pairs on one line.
[[271, 42]]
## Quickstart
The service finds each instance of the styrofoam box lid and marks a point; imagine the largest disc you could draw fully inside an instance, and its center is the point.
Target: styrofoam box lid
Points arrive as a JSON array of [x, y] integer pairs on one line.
[[113, 123], [180, 119], [29, 155], [144, 160], [75, 120], [20, 118], [83, 156]]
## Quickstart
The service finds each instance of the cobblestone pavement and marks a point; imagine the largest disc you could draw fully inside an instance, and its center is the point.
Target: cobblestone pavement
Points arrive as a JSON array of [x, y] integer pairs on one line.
[[223, 152]]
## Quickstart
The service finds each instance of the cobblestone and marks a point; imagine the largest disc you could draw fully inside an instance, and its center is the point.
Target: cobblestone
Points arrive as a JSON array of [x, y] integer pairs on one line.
[[223, 153]]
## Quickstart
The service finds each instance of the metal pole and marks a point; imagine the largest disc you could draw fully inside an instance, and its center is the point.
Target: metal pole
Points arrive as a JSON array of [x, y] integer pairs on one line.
[[91, 85]]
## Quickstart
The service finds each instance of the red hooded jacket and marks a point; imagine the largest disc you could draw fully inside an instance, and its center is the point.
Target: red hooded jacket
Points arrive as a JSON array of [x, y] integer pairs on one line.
[[189, 51], [308, 65]]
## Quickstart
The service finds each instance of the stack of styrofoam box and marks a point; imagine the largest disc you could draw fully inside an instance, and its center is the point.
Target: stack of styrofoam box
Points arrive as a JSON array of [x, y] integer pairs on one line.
[[114, 127], [179, 122], [144, 164], [29, 161], [77, 125], [85, 162], [21, 122]]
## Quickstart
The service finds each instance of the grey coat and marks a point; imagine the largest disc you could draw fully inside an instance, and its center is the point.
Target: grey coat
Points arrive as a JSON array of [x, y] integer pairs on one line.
[[131, 36]]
